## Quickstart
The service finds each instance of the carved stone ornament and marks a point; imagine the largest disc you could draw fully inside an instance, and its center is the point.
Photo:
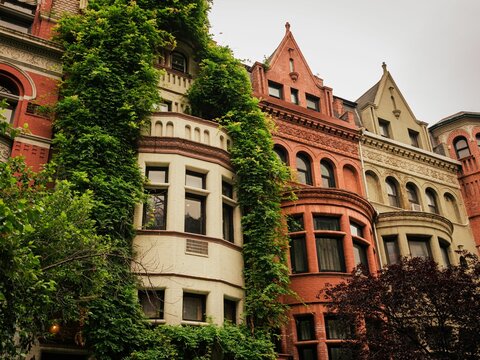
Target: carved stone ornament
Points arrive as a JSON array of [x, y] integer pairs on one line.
[[30, 59]]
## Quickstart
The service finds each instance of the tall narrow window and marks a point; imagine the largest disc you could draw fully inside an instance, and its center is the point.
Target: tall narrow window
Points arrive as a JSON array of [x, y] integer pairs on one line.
[[461, 147], [432, 201], [478, 139], [281, 153], [294, 96], [194, 307], [313, 102], [337, 328], [155, 209], [152, 302], [304, 172], [227, 211], [328, 177], [275, 90], [179, 62], [419, 246], [292, 65], [195, 214], [413, 135], [298, 255], [9, 92], [444, 250], [305, 327], [360, 254], [384, 128], [330, 254], [230, 310], [391, 249], [392, 192], [413, 197]]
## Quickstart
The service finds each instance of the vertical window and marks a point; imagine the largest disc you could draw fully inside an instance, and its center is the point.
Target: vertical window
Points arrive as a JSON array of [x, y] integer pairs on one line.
[[336, 352], [9, 92], [328, 223], [194, 214], [413, 197], [431, 201], [152, 303], [227, 190], [195, 180], [292, 65], [313, 102], [328, 177], [281, 153], [227, 212], [330, 254], [275, 90], [194, 307], [294, 96], [384, 128], [392, 192], [155, 210], [295, 223], [444, 250], [360, 254], [298, 255], [230, 310], [461, 147], [179, 62], [391, 249], [337, 328], [413, 135], [419, 246], [304, 171], [478, 139], [307, 352], [305, 327]]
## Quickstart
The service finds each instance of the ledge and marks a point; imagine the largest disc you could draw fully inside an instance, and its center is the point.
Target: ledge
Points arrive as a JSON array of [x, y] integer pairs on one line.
[[412, 217]]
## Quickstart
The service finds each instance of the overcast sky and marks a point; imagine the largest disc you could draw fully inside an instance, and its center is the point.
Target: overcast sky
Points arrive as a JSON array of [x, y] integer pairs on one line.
[[431, 47]]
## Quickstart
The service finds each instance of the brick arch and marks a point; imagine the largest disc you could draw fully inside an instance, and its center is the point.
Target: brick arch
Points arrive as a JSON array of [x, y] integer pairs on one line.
[[452, 136], [24, 82]]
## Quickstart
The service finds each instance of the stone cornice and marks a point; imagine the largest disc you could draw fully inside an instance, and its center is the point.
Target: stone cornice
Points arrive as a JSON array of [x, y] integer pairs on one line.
[[171, 145], [412, 216], [31, 43], [168, 114]]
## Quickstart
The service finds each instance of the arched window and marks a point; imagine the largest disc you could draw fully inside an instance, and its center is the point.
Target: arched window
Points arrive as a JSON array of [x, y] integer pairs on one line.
[[328, 177], [461, 147], [412, 195], [373, 186], [452, 210], [304, 170], [392, 192], [432, 201], [10, 93], [281, 153], [179, 62]]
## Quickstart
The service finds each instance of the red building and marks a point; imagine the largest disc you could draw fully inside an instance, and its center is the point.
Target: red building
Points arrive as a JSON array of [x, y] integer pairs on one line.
[[330, 224]]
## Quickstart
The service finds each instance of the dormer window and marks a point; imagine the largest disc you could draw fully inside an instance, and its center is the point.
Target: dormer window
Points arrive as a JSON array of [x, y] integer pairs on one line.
[[179, 62], [384, 128], [294, 95], [17, 15], [275, 90], [313, 102]]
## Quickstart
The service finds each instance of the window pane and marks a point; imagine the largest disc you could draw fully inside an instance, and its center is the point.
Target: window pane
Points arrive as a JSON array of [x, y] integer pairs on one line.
[[419, 247], [360, 255], [308, 352], [230, 310], [157, 175], [431, 202], [392, 194], [461, 148], [356, 229], [339, 353], [227, 190], [152, 302], [304, 174], [179, 62], [305, 328], [275, 90], [328, 178], [391, 249], [444, 249], [326, 223], [193, 307], [330, 254], [155, 210], [194, 214], [228, 223], [312, 102], [295, 223], [337, 328], [281, 153], [384, 128], [195, 180], [413, 137], [298, 255], [294, 96]]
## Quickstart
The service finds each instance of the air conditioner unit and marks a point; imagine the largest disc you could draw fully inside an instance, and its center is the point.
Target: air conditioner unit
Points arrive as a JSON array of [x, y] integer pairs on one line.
[[416, 207]]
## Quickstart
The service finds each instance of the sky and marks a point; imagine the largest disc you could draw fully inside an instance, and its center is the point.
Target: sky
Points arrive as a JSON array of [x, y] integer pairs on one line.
[[431, 47]]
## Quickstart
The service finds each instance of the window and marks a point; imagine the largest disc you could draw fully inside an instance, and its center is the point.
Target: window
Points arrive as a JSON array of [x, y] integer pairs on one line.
[[194, 214], [356, 229], [281, 153], [295, 223], [329, 223], [157, 175], [227, 220], [461, 147], [304, 172], [313, 103], [432, 201], [195, 180], [298, 255], [413, 135], [179, 62], [305, 327], [478, 139], [9, 92], [392, 193], [275, 90], [444, 250], [292, 65], [419, 246], [336, 352], [155, 210], [413, 197], [194, 307], [308, 352], [328, 178], [330, 254], [227, 189], [294, 96], [337, 328], [230, 310], [391, 249], [17, 15], [360, 254], [152, 303], [384, 128]]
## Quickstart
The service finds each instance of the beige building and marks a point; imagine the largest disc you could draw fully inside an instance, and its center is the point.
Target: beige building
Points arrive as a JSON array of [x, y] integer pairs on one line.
[[189, 239], [414, 190]]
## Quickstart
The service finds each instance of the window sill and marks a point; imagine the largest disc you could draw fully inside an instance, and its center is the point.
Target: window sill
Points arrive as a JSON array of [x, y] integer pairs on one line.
[[193, 323]]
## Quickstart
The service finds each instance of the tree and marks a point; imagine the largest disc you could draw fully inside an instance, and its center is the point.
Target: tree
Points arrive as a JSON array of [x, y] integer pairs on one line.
[[413, 310]]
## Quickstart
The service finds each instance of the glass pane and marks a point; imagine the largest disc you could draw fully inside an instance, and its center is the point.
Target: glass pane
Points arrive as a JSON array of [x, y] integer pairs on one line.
[[179, 62], [360, 255], [305, 328], [195, 180], [295, 223], [193, 307], [275, 90], [326, 223], [152, 302], [155, 210], [312, 102], [444, 250], [339, 353], [194, 215], [230, 310], [227, 190], [281, 154], [294, 96], [7, 115], [307, 353], [356, 229], [419, 248], [298, 255], [336, 328], [227, 222], [330, 254], [392, 251], [157, 175]]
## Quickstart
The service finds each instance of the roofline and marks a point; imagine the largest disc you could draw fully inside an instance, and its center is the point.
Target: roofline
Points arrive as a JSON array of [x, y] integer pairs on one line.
[[454, 117]]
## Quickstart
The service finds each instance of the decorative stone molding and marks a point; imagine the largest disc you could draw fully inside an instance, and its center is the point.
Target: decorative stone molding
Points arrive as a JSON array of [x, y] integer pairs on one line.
[[409, 218], [5, 149]]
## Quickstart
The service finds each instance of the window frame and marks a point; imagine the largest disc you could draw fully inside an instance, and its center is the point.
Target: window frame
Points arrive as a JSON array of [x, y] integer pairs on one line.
[[389, 256], [332, 222], [392, 192], [298, 249], [328, 174], [309, 320], [281, 153], [174, 66], [339, 254], [294, 98], [203, 305], [146, 219], [414, 138], [307, 172], [273, 88], [360, 258], [313, 102], [232, 311], [432, 201], [463, 151], [384, 128], [155, 294], [228, 222], [202, 200], [418, 239]]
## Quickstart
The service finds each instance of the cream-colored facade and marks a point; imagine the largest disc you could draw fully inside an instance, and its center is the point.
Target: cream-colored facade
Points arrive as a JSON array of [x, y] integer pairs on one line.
[[197, 270], [414, 190]]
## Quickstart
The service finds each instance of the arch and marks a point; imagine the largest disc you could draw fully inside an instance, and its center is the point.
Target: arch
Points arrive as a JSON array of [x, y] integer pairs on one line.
[[23, 81], [179, 62], [281, 153], [432, 202], [206, 137], [169, 129], [350, 178], [146, 129], [393, 193], [304, 169], [413, 198], [451, 208], [10, 92], [196, 134], [222, 142], [328, 174], [188, 132], [158, 129], [460, 144], [373, 186]]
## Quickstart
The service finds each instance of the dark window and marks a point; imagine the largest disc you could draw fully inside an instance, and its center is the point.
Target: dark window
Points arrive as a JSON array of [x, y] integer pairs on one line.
[[230, 310], [392, 193], [360, 254], [308, 352], [295, 223], [194, 307], [155, 209], [444, 250], [292, 65], [62, 356], [419, 246], [304, 171], [228, 233], [313, 102], [305, 327], [281, 153], [413, 135], [461, 147], [413, 197], [328, 177], [17, 15], [326, 223], [478, 139], [275, 90], [152, 302], [9, 92], [330, 254], [194, 214], [227, 189], [195, 180], [337, 328], [432, 201], [391, 249], [157, 175], [298, 255], [356, 229], [179, 62], [294, 95], [384, 127], [337, 352]]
